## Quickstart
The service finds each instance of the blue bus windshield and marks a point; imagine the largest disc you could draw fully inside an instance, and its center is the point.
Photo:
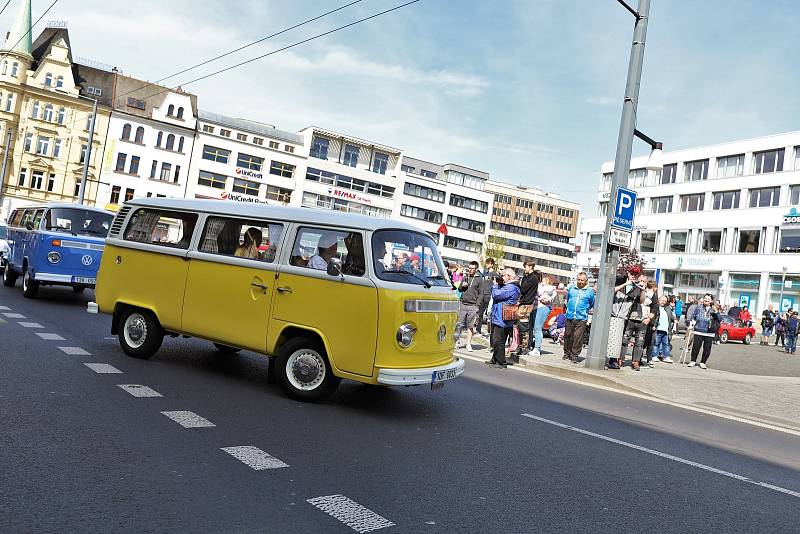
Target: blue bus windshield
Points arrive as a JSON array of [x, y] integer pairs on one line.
[[79, 221]]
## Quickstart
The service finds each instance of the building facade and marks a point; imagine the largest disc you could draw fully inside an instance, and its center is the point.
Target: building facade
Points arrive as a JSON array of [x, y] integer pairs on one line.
[[244, 161], [448, 201], [719, 219], [45, 119], [528, 223]]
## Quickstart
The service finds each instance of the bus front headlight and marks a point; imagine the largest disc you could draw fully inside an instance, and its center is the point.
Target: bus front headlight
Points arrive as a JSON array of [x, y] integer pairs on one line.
[[53, 257], [405, 334]]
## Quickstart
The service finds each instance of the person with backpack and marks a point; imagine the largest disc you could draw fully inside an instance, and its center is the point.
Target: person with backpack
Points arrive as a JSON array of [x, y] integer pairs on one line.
[[767, 324], [792, 331], [780, 329], [629, 296]]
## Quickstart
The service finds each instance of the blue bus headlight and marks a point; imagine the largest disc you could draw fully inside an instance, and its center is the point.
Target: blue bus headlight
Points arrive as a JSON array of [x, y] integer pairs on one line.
[[53, 257]]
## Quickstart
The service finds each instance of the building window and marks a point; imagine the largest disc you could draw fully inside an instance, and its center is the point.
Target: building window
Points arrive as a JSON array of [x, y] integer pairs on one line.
[[61, 115], [180, 145], [10, 103], [546, 208], [669, 174], [126, 132], [711, 241], [465, 224], [524, 217], [170, 110], [134, 168], [350, 156], [220, 155], [258, 141], [95, 91], [212, 179], [281, 169], [525, 204], [177, 175], [794, 195], [677, 241], [28, 142], [89, 122], [749, 241], [602, 209], [469, 203], [500, 212], [647, 242], [765, 197], [420, 214], [37, 177], [730, 166], [48, 113], [595, 242], [692, 202], [246, 161], [166, 170], [768, 161], [57, 148], [180, 113], [797, 158], [419, 191], [42, 145], [274, 145], [48, 79], [84, 149], [14, 68], [246, 187], [660, 205], [462, 244], [726, 200], [208, 128], [380, 162], [790, 242], [170, 142], [224, 133], [427, 174], [241, 137], [5, 67], [319, 148], [35, 110], [542, 221], [408, 169], [121, 159], [133, 103], [289, 149], [279, 194], [159, 138], [114, 195], [636, 177], [153, 169], [77, 189], [128, 194], [139, 134], [23, 175], [695, 171]]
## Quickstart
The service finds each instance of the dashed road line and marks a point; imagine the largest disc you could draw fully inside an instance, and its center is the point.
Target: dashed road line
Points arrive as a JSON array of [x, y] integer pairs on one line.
[[5, 308], [30, 325], [138, 390], [49, 337], [14, 315], [254, 457], [350, 513], [664, 455], [74, 351], [103, 368], [189, 419]]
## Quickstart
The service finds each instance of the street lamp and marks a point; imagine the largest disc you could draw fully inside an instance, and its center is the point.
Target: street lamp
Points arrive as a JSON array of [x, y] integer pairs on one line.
[[601, 319]]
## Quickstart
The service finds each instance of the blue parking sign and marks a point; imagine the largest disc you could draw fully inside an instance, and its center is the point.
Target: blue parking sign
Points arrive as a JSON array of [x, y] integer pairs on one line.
[[624, 208]]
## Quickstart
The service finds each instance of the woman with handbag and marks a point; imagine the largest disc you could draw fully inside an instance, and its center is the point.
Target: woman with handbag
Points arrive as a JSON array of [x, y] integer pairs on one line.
[[505, 295]]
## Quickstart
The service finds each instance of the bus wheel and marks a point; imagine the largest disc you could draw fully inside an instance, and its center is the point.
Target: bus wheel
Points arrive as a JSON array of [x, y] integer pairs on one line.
[[78, 289], [140, 334], [30, 287], [9, 277], [304, 372], [226, 349]]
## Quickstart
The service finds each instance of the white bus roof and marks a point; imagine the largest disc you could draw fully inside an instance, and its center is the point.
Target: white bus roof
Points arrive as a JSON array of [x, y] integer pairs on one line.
[[278, 213]]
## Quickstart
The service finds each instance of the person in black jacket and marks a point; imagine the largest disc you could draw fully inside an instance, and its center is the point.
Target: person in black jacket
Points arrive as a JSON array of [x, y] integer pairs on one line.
[[489, 276], [529, 287]]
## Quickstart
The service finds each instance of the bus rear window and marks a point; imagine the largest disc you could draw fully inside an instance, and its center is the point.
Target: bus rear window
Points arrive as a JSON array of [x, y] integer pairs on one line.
[[158, 227]]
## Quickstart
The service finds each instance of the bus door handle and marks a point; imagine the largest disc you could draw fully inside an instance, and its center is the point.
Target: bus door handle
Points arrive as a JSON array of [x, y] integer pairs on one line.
[[260, 286], [284, 290]]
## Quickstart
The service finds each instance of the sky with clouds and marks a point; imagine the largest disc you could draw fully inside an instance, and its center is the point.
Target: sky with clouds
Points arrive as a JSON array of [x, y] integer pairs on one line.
[[527, 90]]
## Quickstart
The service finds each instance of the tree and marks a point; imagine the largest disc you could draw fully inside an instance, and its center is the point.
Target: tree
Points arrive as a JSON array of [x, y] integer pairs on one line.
[[494, 247], [628, 257]]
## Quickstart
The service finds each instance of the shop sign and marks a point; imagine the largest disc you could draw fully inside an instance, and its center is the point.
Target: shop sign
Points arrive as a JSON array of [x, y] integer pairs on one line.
[[793, 217], [242, 198], [349, 195], [247, 173]]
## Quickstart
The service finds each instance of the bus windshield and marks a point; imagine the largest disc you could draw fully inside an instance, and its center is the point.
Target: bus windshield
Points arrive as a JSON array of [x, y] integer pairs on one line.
[[407, 257], [79, 221]]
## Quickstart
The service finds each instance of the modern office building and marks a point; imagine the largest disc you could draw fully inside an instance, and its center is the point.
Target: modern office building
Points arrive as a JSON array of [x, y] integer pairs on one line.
[[529, 223], [450, 202], [719, 219]]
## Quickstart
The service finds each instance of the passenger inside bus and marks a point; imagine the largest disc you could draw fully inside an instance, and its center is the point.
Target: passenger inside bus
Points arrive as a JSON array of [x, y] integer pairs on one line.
[[250, 243]]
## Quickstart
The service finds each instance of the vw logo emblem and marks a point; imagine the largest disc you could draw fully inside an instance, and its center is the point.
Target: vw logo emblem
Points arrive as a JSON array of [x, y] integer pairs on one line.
[[86, 260]]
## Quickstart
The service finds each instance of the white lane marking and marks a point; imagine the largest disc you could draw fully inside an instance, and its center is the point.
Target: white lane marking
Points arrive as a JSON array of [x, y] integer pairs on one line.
[[74, 351], [102, 368], [140, 391], [30, 325], [664, 455], [706, 411], [350, 513], [14, 315], [254, 457], [189, 419], [5, 308], [50, 337]]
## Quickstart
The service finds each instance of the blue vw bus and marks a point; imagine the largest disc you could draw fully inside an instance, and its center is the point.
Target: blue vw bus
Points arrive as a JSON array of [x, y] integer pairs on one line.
[[55, 244]]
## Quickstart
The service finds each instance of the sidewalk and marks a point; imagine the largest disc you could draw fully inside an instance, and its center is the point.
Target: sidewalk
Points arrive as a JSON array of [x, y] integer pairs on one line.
[[772, 400]]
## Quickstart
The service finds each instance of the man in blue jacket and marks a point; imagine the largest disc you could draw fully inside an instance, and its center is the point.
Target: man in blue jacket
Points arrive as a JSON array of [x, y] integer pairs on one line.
[[505, 292], [580, 299]]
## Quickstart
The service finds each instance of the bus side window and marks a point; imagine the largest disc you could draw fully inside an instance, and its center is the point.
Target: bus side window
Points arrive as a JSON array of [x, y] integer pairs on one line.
[[244, 238], [314, 248]]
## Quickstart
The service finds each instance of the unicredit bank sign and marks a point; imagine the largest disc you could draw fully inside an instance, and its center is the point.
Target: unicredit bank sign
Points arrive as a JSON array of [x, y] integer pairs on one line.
[[247, 173]]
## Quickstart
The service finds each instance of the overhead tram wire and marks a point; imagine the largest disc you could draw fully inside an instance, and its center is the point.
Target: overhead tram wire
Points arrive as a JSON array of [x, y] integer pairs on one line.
[[5, 54], [4, 7], [298, 43]]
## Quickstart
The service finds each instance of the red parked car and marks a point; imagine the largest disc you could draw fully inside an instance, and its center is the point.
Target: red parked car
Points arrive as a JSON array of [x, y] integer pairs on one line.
[[735, 330]]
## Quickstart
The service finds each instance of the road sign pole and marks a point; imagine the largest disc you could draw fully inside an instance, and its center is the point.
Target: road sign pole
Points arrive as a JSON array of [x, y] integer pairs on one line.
[[601, 319]]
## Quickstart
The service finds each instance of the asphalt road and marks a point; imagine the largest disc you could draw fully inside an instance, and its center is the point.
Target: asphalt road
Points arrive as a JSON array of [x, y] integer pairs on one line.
[[80, 454]]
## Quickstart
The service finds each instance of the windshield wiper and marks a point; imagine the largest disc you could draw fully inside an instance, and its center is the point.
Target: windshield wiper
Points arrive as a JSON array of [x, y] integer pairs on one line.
[[409, 273], [61, 228]]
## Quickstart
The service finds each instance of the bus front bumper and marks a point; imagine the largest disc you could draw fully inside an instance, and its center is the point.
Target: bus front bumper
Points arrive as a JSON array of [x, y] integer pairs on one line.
[[425, 375]]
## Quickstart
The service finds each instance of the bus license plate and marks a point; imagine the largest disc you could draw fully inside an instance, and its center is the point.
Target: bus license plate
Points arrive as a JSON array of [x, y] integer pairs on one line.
[[85, 280], [438, 378]]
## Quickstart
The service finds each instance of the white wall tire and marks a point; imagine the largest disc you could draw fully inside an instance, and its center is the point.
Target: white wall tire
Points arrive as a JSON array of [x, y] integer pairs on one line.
[[723, 337], [304, 372], [30, 287], [9, 276], [140, 335], [747, 338]]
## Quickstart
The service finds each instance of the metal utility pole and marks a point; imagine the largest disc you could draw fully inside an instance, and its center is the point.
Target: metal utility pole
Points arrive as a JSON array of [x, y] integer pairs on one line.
[[88, 158], [601, 319], [783, 284], [5, 164]]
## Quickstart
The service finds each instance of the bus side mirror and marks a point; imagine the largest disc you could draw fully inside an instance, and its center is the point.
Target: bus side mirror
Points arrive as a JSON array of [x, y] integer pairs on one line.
[[335, 267], [29, 226]]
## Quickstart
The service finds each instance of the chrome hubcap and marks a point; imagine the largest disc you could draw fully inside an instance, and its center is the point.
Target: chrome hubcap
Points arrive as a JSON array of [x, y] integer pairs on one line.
[[135, 330], [306, 369]]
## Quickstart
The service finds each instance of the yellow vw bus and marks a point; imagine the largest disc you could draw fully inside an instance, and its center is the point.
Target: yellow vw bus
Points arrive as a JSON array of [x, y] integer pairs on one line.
[[326, 295]]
